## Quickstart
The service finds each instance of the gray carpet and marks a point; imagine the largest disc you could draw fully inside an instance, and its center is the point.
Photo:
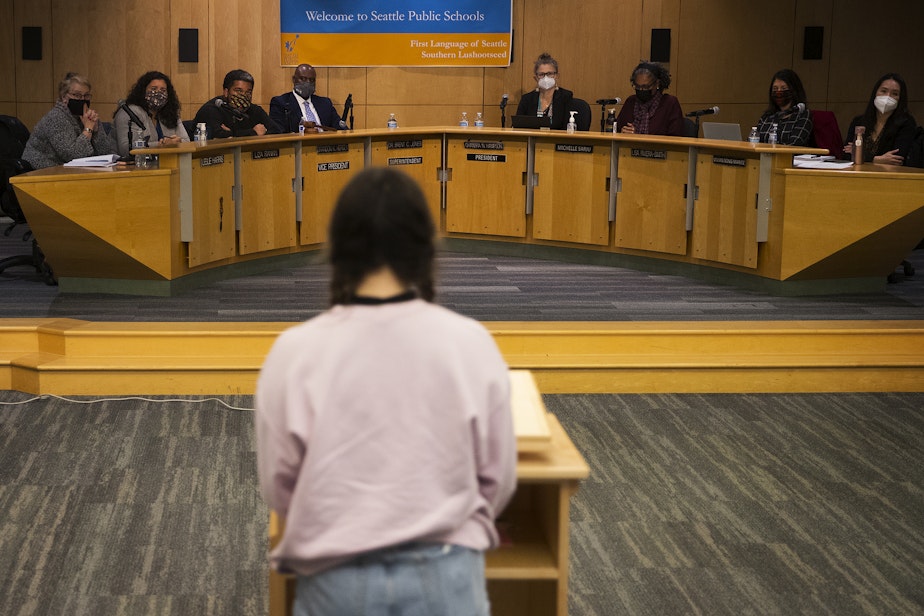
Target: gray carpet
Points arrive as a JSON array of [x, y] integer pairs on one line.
[[485, 287], [696, 504]]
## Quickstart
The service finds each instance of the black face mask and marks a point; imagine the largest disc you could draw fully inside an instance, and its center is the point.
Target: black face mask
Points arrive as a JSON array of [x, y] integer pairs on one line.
[[644, 96], [76, 106]]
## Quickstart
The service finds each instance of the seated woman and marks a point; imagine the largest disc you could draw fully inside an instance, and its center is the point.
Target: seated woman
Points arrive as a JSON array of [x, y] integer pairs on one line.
[[889, 127], [155, 104], [650, 111], [794, 124], [70, 130], [548, 99]]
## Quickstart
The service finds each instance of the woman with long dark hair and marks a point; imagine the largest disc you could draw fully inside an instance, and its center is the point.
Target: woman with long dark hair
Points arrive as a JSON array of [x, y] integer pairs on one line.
[[793, 123], [383, 426], [889, 127], [154, 103]]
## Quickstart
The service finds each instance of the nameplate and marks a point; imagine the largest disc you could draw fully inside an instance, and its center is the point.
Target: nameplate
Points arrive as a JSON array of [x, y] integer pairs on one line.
[[574, 148], [729, 161], [407, 160], [208, 161], [659, 154], [338, 148], [340, 165], [484, 145], [261, 154], [488, 158], [404, 145]]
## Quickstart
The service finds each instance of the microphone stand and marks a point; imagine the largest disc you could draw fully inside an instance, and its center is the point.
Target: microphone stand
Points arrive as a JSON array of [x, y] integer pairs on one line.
[[503, 108], [351, 116], [602, 118]]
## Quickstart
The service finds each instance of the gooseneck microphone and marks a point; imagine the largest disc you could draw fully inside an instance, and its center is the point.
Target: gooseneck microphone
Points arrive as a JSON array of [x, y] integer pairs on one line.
[[347, 106], [237, 113], [609, 101], [131, 114], [702, 112], [503, 107], [797, 108]]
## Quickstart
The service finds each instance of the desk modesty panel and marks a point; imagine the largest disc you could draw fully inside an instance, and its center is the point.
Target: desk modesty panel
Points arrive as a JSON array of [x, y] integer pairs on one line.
[[695, 206]]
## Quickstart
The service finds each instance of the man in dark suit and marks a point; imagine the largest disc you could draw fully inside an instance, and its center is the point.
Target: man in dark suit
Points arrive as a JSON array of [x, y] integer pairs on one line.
[[303, 106]]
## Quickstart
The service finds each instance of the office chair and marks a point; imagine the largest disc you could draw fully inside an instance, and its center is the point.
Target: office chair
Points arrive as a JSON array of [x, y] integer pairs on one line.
[[690, 128], [582, 117], [826, 133], [13, 137]]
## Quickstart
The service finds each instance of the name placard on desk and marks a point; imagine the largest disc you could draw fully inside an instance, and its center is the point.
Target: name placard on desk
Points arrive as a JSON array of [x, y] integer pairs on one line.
[[656, 154], [208, 161], [729, 161], [487, 158], [575, 148], [412, 144], [337, 148], [407, 160], [261, 154], [484, 145], [339, 165]]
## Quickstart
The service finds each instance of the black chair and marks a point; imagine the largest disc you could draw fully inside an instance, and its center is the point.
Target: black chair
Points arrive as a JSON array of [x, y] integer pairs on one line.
[[582, 117], [13, 138], [190, 126], [690, 128]]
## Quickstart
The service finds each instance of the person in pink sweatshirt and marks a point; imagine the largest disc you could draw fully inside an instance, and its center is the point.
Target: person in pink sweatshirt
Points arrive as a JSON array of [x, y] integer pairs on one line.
[[384, 429]]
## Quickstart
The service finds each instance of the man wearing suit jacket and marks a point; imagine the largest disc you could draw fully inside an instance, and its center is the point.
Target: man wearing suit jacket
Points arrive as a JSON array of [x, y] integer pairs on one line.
[[303, 106]]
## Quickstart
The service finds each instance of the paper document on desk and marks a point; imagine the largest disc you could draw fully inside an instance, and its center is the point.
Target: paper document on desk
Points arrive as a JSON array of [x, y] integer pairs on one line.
[[811, 161], [103, 160]]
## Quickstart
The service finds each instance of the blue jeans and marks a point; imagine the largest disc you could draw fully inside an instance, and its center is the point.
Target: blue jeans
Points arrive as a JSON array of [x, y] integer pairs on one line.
[[415, 579]]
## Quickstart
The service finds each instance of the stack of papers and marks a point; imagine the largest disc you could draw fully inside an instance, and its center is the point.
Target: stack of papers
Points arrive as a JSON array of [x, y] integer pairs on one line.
[[813, 161], [103, 160]]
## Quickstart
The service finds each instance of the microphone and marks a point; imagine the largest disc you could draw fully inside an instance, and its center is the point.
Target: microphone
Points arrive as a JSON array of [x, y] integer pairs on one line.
[[503, 103], [237, 113], [131, 114], [609, 101], [797, 108], [347, 105], [702, 112]]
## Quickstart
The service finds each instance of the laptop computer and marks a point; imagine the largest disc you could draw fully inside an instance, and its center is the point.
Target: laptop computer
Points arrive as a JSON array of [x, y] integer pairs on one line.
[[531, 121], [725, 131]]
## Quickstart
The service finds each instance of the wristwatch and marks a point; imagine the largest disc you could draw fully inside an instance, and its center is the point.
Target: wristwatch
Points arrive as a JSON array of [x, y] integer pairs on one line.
[[88, 131]]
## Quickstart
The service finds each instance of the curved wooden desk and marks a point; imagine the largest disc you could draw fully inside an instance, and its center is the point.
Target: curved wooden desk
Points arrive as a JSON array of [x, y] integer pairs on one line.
[[727, 210]]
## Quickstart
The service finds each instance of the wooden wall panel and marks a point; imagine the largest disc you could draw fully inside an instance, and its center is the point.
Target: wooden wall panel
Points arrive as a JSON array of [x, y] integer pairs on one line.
[[192, 80], [10, 46], [34, 80]]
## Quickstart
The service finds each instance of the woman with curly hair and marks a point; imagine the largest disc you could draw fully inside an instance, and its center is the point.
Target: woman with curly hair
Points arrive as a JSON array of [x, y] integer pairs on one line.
[[650, 111], [154, 103]]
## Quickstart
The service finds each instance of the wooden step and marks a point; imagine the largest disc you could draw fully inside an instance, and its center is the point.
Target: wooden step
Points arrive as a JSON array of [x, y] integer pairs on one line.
[[72, 357]]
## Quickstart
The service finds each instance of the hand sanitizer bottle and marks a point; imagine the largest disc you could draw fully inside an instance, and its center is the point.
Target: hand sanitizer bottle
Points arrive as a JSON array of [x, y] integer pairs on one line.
[[754, 137], [772, 137], [572, 125]]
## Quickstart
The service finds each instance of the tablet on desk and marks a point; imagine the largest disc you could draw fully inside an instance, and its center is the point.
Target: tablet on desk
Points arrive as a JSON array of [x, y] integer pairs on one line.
[[531, 121], [725, 131]]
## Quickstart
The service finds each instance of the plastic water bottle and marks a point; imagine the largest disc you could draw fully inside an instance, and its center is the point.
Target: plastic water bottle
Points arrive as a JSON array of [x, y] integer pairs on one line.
[[138, 143], [572, 125], [392, 121], [463, 121], [772, 137], [200, 132], [754, 137], [479, 120], [610, 126]]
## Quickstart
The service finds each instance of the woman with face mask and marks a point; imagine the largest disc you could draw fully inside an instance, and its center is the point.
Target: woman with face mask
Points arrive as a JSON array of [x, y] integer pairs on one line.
[[650, 111], [548, 99], [787, 109], [889, 127], [71, 129], [152, 102]]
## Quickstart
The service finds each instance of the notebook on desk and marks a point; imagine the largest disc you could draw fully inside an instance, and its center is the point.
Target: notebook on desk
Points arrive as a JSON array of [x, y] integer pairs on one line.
[[725, 131], [531, 121]]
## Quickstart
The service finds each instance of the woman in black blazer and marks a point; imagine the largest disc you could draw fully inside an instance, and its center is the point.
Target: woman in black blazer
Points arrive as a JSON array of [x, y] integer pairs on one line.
[[548, 99]]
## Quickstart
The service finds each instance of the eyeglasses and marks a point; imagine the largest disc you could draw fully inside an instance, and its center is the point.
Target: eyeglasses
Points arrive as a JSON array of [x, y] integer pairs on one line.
[[775, 90], [79, 96], [644, 87], [541, 75]]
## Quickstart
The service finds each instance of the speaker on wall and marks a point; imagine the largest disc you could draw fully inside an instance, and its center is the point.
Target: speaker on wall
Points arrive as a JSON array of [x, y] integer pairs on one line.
[[189, 45], [31, 43], [813, 43], [660, 45]]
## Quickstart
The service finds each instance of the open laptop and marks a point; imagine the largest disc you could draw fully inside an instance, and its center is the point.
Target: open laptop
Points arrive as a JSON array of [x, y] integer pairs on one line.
[[531, 121], [725, 131]]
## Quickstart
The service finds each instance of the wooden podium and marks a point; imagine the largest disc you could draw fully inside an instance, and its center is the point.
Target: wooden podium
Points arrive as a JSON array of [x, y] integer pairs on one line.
[[528, 573]]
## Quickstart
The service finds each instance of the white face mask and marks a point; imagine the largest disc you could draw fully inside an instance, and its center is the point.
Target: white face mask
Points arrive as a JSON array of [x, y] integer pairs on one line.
[[546, 83], [885, 104]]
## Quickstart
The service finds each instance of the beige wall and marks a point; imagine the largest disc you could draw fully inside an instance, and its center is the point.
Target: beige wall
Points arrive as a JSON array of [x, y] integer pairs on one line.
[[723, 53]]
